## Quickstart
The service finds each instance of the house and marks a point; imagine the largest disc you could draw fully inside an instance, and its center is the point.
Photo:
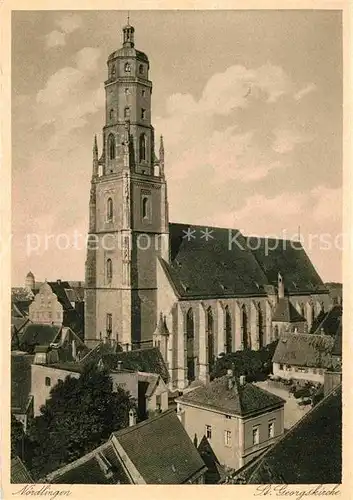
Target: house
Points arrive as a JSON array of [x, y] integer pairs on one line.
[[147, 360], [303, 357], [315, 439], [156, 451], [21, 398], [239, 419], [148, 389], [56, 336], [19, 473]]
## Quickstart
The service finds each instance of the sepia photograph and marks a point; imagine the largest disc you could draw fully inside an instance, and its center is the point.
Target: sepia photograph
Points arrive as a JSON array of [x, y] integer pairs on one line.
[[176, 249]]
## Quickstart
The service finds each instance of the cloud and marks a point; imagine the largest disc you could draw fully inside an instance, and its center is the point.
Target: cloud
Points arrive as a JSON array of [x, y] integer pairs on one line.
[[70, 95], [67, 24], [55, 39], [207, 132], [286, 140], [311, 87]]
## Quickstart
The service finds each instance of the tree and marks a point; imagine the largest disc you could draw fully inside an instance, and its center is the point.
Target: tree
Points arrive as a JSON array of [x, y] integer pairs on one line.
[[17, 437], [79, 416], [254, 364]]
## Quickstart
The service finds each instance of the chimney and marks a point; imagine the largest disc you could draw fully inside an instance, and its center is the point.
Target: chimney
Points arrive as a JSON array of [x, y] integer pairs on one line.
[[132, 417], [74, 351], [230, 379], [242, 380], [120, 365]]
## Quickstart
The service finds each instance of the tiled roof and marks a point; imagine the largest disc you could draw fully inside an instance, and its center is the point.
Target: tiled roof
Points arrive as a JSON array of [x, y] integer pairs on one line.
[[331, 321], [101, 466], [337, 346], [226, 264], [23, 306], [19, 323], [20, 380], [38, 334], [143, 360], [97, 353], [239, 400], [304, 350], [203, 267], [310, 452], [19, 472], [161, 450], [291, 261], [161, 328], [285, 312]]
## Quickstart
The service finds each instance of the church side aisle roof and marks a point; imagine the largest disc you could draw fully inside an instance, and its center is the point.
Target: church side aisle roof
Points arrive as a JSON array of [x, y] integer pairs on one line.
[[221, 262]]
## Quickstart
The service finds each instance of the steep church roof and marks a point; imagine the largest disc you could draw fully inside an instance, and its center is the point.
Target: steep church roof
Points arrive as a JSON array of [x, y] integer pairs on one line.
[[285, 312], [221, 262]]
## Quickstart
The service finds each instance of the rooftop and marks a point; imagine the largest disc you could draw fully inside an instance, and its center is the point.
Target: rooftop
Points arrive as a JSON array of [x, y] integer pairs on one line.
[[304, 350], [235, 268], [20, 380], [19, 472], [285, 312], [315, 439], [239, 400]]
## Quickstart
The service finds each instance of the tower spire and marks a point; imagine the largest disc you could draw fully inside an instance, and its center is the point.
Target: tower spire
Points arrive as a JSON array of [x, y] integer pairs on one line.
[[161, 156], [128, 33]]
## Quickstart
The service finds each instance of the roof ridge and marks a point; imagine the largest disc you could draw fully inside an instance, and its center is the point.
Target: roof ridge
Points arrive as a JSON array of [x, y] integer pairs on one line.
[[126, 430]]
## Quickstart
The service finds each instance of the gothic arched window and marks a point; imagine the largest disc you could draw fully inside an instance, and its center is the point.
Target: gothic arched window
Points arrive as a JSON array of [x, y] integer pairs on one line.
[[143, 147], [190, 336], [210, 337], [109, 209], [245, 328], [109, 270], [228, 321], [261, 326], [111, 147]]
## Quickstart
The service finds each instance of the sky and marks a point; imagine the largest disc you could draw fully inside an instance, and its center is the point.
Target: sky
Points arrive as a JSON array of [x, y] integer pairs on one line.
[[249, 104]]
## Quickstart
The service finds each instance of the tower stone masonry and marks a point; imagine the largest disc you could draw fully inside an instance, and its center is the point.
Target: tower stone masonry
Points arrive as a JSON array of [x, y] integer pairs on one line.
[[128, 208]]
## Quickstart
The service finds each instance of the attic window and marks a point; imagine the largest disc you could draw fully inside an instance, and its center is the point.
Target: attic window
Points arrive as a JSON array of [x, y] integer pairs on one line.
[[257, 285], [186, 288], [224, 288]]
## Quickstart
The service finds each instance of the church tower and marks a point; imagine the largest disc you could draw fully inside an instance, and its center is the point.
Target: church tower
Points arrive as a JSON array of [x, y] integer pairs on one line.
[[128, 208]]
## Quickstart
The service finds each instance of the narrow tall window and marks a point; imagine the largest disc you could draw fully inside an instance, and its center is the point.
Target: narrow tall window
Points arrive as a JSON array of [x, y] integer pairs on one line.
[[228, 331], [210, 336], [47, 381], [111, 147], [109, 271], [141, 69], [208, 432], [271, 430], [111, 114], [255, 435], [143, 114], [127, 68], [143, 144], [127, 112], [145, 207], [109, 209]]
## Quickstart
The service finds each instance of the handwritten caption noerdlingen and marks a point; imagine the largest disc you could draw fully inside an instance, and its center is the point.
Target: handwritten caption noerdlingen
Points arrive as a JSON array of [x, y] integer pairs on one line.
[[46, 490], [296, 493]]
